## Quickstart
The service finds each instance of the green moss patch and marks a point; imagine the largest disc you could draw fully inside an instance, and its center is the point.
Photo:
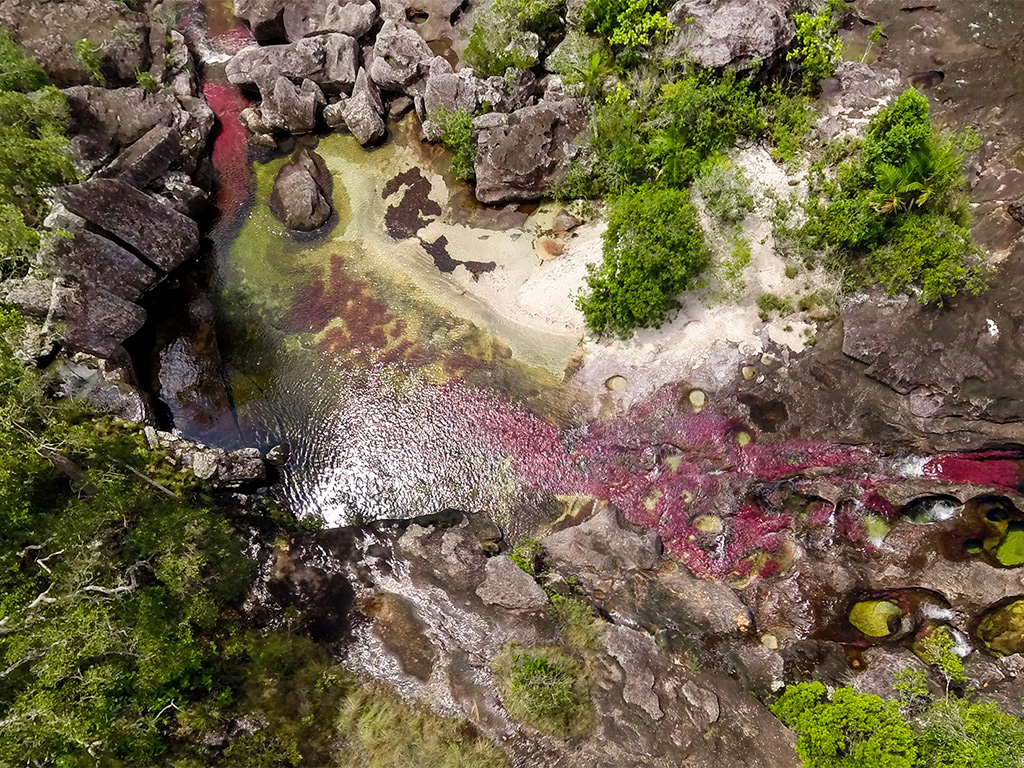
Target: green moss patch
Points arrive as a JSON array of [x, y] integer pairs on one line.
[[1002, 630], [1010, 551], [545, 688], [875, 617]]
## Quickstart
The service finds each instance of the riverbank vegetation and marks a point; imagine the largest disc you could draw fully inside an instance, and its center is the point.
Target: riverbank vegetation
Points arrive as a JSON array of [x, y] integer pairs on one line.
[[847, 729], [887, 209], [34, 154], [122, 640]]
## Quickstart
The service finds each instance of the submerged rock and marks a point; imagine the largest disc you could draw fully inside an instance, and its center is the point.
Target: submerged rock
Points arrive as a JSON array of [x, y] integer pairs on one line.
[[301, 197]]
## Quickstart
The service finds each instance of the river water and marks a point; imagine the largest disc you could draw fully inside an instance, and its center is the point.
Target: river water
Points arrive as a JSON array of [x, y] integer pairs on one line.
[[372, 350]]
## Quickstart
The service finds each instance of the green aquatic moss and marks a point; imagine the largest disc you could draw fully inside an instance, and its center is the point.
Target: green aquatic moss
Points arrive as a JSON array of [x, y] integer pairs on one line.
[[874, 617]]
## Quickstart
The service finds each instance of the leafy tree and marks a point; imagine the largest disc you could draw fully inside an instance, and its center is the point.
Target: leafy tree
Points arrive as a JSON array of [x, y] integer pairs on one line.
[[653, 250]]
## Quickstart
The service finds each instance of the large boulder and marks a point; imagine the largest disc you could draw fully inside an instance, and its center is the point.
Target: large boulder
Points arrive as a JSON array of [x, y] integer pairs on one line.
[[155, 231], [103, 122], [450, 90], [400, 59], [256, 64], [81, 316], [288, 108], [361, 113], [147, 159], [48, 31], [303, 18], [431, 19], [101, 262], [301, 197], [522, 155], [736, 33], [263, 17]]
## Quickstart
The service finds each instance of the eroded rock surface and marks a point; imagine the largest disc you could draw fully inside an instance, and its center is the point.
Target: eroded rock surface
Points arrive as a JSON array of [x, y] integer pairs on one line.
[[442, 610], [520, 156], [736, 33]]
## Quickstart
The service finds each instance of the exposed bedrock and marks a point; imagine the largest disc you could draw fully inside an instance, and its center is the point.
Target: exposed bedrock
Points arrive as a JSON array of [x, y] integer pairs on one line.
[[428, 607], [736, 33], [521, 155], [276, 20], [48, 32], [301, 197]]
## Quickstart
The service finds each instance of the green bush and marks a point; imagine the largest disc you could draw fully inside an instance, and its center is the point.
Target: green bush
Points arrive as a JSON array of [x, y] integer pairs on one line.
[[629, 26], [457, 135], [88, 54], [547, 689], [146, 81], [726, 192], [856, 730], [653, 250], [818, 49], [767, 303], [848, 730], [34, 155], [895, 209], [494, 47]]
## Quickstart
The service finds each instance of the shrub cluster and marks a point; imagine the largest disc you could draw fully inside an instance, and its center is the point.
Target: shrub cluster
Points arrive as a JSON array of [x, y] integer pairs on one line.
[[34, 154], [457, 135], [855, 730], [653, 250], [895, 211]]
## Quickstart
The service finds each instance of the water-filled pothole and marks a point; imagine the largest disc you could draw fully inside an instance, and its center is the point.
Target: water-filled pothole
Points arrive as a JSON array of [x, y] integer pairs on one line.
[[931, 509]]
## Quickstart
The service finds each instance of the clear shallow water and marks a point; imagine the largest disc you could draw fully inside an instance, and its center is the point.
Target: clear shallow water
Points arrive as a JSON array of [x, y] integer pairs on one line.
[[357, 349]]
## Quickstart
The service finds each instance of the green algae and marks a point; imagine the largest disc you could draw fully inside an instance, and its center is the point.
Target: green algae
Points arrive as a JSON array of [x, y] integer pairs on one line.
[[1010, 551], [874, 617], [1002, 630]]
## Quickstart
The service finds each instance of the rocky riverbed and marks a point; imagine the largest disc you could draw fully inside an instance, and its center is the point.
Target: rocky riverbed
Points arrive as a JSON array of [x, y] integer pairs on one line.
[[271, 251]]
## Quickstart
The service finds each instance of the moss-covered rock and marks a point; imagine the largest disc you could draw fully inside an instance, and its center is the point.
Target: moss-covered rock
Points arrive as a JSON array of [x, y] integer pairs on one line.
[[1002, 630], [874, 618]]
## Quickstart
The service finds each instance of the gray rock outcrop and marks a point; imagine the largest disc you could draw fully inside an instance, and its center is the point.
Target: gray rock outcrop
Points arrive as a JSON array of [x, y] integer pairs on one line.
[[400, 59], [288, 108], [362, 112], [48, 31], [735, 33], [155, 231], [301, 197], [431, 19], [243, 468], [520, 156], [303, 18], [263, 17], [433, 611]]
